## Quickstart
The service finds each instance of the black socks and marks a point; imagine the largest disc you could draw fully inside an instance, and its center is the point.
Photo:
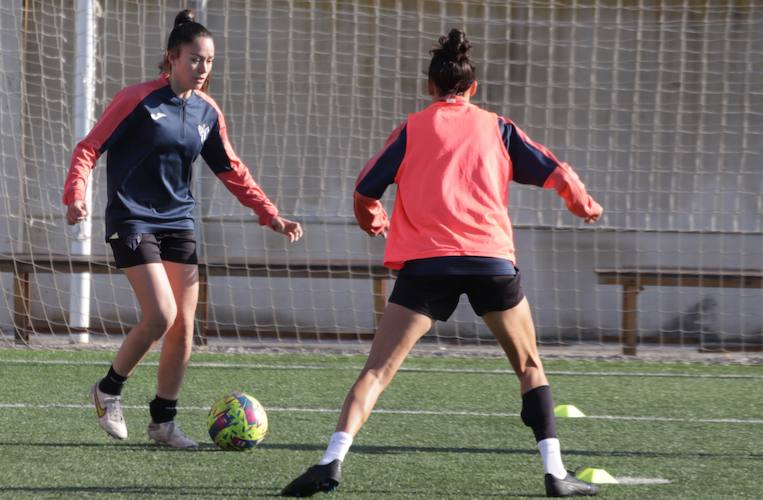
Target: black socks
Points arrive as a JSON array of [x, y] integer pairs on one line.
[[112, 383], [163, 410], [538, 412]]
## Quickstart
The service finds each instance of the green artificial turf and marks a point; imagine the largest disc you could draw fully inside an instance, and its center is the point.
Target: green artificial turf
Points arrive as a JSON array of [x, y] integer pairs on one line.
[[448, 430]]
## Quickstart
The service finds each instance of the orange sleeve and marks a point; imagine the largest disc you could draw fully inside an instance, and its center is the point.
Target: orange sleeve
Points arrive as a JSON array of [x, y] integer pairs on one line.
[[234, 174], [103, 133], [89, 149], [572, 190], [370, 214]]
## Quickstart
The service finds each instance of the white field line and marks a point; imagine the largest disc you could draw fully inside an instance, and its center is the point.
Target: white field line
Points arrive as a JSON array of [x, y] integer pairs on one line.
[[289, 367], [641, 480], [442, 413]]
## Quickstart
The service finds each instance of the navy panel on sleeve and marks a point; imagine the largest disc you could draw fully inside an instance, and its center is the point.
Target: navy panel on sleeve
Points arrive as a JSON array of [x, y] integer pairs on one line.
[[383, 173], [529, 164]]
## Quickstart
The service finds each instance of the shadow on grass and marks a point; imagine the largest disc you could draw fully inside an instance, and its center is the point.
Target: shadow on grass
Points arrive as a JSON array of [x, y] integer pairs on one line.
[[203, 447], [372, 450], [349, 493], [207, 491], [214, 491], [384, 450]]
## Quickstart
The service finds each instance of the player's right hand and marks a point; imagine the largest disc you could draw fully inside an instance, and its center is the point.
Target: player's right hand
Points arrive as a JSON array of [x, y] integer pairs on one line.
[[595, 213], [76, 212], [383, 232]]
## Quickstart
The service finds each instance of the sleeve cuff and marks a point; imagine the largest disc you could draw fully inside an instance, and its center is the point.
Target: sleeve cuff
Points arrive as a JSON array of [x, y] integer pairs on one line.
[[266, 218]]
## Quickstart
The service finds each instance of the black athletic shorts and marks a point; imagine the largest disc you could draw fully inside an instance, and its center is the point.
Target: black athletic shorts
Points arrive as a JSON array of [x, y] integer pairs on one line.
[[437, 296], [137, 249]]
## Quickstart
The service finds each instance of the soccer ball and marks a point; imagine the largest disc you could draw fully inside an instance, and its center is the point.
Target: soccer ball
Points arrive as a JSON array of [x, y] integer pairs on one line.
[[237, 422]]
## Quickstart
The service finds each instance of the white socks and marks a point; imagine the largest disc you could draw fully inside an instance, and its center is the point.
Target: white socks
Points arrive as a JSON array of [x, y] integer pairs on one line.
[[550, 452], [552, 457], [339, 445]]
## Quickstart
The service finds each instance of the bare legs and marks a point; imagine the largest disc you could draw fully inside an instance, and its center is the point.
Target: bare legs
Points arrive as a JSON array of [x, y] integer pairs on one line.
[[399, 330], [154, 293], [178, 341], [515, 332], [167, 293]]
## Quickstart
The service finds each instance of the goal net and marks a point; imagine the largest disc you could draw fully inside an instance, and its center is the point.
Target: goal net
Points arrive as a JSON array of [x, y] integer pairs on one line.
[[657, 104]]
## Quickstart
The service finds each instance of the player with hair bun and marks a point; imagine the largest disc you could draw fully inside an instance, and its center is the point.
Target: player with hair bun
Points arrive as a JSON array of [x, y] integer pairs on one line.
[[153, 133], [450, 234]]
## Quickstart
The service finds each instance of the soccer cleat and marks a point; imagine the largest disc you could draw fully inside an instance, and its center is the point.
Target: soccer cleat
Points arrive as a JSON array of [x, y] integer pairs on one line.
[[169, 434], [570, 486], [317, 478], [109, 410]]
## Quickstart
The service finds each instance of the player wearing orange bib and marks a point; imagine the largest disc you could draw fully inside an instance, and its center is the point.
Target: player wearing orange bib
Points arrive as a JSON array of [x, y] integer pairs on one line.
[[450, 234]]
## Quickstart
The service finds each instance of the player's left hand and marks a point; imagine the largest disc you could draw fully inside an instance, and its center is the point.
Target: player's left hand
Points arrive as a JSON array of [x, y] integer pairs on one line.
[[289, 228]]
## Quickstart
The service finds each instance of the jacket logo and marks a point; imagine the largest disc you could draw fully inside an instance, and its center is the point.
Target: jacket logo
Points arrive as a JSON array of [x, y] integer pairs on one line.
[[203, 129], [156, 116]]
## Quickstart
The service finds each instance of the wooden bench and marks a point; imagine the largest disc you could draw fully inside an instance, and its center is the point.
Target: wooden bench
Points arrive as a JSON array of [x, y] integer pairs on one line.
[[633, 281], [22, 265]]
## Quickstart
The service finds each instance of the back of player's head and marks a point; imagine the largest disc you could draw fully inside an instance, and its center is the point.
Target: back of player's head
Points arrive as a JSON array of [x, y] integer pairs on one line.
[[451, 69]]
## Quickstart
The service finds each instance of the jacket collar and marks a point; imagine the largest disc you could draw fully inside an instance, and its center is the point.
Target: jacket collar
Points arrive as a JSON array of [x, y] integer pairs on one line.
[[453, 99]]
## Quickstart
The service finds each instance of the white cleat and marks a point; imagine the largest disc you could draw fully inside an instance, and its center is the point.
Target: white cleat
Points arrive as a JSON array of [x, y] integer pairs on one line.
[[109, 410], [169, 434]]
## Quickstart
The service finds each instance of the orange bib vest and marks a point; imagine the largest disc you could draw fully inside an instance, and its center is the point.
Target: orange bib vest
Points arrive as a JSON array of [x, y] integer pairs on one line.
[[452, 196]]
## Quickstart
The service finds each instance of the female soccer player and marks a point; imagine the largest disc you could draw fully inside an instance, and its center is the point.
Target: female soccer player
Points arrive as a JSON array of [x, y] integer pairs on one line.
[[153, 132], [450, 234]]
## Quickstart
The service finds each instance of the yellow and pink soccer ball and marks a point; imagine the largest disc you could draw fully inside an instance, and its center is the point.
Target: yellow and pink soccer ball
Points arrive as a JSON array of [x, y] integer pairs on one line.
[[237, 422]]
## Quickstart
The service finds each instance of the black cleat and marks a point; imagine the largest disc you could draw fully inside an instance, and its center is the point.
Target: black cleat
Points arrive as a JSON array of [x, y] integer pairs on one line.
[[317, 478], [570, 486]]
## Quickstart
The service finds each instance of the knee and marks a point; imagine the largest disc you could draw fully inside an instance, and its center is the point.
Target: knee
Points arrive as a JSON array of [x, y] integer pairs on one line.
[[531, 374], [159, 320], [381, 375], [182, 328]]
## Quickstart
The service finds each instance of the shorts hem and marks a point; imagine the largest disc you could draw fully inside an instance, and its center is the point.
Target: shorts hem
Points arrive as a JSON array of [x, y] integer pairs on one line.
[[419, 310], [501, 308]]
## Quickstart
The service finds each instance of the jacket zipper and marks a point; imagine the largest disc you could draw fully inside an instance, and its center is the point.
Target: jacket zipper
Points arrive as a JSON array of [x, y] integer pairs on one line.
[[182, 114]]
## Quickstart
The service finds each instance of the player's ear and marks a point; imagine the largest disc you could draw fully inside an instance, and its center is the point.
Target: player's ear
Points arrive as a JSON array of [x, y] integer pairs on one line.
[[173, 54], [472, 88]]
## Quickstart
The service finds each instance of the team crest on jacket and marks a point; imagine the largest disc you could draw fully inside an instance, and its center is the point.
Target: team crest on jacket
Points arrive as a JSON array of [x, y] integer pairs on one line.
[[203, 129]]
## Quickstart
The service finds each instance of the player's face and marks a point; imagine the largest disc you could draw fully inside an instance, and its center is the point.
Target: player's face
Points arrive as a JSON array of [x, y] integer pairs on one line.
[[192, 64]]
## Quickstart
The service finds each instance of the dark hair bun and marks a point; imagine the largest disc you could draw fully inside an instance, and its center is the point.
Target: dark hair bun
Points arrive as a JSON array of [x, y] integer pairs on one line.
[[185, 16], [451, 68], [456, 46]]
